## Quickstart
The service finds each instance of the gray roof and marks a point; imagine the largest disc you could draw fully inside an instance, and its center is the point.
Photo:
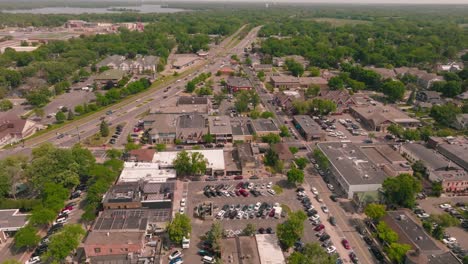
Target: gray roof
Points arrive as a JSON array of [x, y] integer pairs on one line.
[[238, 82], [264, 125], [352, 163], [245, 152], [12, 219], [241, 127], [130, 219], [191, 121], [411, 231], [112, 74], [161, 123], [429, 156], [455, 149], [192, 100], [307, 124], [219, 125]]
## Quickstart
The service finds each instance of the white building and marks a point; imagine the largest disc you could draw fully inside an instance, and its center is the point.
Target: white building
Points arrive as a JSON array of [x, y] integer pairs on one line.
[[145, 171], [215, 158], [269, 249]]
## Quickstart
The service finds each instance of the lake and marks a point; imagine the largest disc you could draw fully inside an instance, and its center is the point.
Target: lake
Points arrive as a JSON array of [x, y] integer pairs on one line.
[[80, 10]]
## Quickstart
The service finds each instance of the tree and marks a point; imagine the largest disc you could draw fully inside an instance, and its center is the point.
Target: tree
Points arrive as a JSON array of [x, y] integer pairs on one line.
[[437, 189], [11, 261], [395, 130], [190, 87], [438, 232], [250, 229], [294, 150], [64, 242], [71, 115], [42, 216], [179, 228], [214, 236], [271, 138], [311, 253], [335, 83], [104, 129], [26, 237], [60, 117], [385, 233], [394, 90], [295, 175], [301, 162], [261, 75], [160, 147], [375, 211], [189, 163], [314, 71], [208, 138], [401, 190], [445, 220], [397, 252], [321, 159], [267, 114], [445, 114], [294, 67], [312, 91], [292, 229], [5, 105], [284, 131]]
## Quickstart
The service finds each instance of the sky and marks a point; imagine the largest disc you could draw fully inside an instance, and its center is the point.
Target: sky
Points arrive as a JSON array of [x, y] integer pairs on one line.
[[439, 2]]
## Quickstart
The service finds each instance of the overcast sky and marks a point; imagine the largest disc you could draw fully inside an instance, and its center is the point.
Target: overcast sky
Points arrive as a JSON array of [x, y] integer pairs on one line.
[[440, 2]]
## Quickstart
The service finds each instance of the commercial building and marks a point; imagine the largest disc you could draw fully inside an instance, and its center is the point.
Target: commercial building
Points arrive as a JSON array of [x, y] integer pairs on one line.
[[242, 130], [377, 117], [269, 249], [191, 128], [11, 220], [245, 156], [146, 172], [263, 127], [138, 65], [308, 128], [235, 84], [184, 60], [141, 155], [440, 169], [285, 82], [162, 127], [220, 128], [13, 129], [240, 249], [184, 105], [215, 160], [361, 168], [112, 75], [453, 148]]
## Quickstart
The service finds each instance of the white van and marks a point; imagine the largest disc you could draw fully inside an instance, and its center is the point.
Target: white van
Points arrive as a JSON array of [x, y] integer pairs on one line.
[[208, 259]]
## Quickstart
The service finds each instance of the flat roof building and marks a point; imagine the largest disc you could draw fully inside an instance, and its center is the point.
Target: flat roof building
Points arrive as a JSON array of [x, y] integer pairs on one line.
[[453, 148], [285, 82], [191, 128], [235, 84], [242, 129], [308, 128], [11, 220], [184, 60], [269, 249], [220, 128], [245, 155], [215, 159], [146, 171], [162, 127], [263, 127], [112, 75], [240, 250]]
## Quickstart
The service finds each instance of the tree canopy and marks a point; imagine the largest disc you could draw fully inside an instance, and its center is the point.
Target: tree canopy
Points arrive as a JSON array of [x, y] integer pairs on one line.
[[292, 229], [401, 190], [179, 228], [189, 163]]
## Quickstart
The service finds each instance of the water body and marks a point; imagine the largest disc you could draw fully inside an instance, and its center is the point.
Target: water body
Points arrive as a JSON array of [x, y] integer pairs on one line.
[[144, 9]]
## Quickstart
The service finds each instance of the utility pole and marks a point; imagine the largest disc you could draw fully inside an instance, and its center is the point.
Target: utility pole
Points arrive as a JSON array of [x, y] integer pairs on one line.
[[78, 134]]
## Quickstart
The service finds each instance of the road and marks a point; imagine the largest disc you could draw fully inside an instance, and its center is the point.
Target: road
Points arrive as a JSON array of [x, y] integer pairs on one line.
[[129, 109]]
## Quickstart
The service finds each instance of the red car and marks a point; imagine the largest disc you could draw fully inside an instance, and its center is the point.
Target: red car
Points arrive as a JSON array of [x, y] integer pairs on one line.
[[272, 213], [67, 208], [244, 192], [239, 185], [238, 177], [237, 193], [319, 227], [345, 244]]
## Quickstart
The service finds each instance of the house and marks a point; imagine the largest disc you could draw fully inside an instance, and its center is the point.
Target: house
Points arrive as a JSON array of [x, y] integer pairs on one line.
[[450, 67], [190, 128], [306, 82], [308, 128], [360, 169], [263, 67], [286, 98], [461, 122], [138, 65], [284, 154], [463, 96], [341, 98], [439, 169], [14, 129], [427, 96], [110, 76], [377, 117], [384, 72], [425, 79], [285, 82], [263, 127], [11, 220], [235, 84], [220, 128]]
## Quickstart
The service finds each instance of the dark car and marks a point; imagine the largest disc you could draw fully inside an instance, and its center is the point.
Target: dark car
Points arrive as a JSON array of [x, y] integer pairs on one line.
[[261, 230], [75, 195], [368, 240], [324, 237], [319, 227], [269, 230], [378, 255], [238, 177], [353, 257], [332, 220], [300, 189], [333, 197], [311, 212]]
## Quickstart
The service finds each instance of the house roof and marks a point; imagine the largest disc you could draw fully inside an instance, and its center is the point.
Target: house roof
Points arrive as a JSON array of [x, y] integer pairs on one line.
[[12, 220], [285, 79], [144, 155], [11, 125], [282, 149], [235, 81], [313, 80], [384, 72], [111, 74]]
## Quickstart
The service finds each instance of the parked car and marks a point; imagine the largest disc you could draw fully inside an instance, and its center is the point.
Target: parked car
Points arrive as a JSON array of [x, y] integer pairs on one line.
[[175, 254], [345, 244], [331, 249], [33, 260], [319, 228], [324, 237]]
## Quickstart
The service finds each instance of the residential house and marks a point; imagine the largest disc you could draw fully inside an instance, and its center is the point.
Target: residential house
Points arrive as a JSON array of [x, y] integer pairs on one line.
[[14, 129], [235, 84], [384, 72], [110, 76], [425, 79], [286, 98], [263, 67], [341, 98], [432, 97], [461, 122]]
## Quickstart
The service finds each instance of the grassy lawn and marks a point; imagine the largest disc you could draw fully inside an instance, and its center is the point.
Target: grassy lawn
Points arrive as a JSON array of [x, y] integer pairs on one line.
[[96, 140], [277, 189], [341, 22], [286, 208]]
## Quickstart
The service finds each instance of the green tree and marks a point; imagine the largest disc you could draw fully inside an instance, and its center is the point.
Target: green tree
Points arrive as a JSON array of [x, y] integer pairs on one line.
[[294, 67], [445, 114], [42, 216], [11, 261], [301, 162], [294, 150], [335, 83], [250, 230], [208, 138], [401, 190], [321, 159], [26, 237], [445, 220], [284, 131], [160, 147], [295, 175], [311, 253], [261, 75], [5, 105], [114, 153], [385, 233], [104, 129], [179, 228], [60, 117], [187, 164], [267, 114], [271, 158], [292, 229], [312, 91], [397, 252], [394, 90], [64, 242], [71, 115], [437, 189], [214, 236], [396, 130], [375, 211], [271, 138], [438, 232], [314, 71]]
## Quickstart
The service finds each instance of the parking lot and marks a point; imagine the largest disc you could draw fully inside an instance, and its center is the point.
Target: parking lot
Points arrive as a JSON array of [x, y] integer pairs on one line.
[[345, 127]]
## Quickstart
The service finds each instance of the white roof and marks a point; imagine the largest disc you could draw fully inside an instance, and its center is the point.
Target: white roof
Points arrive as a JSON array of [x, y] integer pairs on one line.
[[269, 250], [146, 171], [215, 158]]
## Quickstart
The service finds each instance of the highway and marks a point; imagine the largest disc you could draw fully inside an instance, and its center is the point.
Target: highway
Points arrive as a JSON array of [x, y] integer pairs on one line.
[[128, 110]]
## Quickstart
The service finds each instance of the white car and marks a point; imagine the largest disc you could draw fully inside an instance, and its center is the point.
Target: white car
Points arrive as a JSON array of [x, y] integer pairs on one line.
[[257, 206], [325, 209], [61, 220], [449, 240], [445, 206], [331, 249], [314, 217], [330, 187], [175, 254], [314, 190], [33, 260], [182, 202], [271, 191], [423, 215], [220, 214], [269, 185], [182, 210]]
